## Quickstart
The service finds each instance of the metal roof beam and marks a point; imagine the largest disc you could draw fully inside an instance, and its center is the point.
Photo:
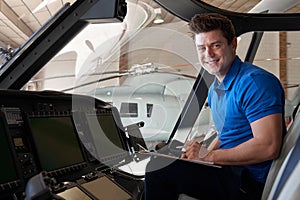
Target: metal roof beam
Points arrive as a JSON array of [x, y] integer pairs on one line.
[[13, 17]]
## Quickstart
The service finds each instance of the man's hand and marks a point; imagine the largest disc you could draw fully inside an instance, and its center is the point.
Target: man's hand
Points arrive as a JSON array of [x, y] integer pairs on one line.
[[193, 151], [197, 151]]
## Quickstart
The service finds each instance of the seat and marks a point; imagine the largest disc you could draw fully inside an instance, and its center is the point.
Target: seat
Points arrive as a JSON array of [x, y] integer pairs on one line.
[[288, 184], [279, 164]]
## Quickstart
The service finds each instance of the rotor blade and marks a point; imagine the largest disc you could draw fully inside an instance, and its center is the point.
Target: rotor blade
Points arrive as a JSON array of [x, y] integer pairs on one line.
[[179, 74], [92, 82], [72, 75]]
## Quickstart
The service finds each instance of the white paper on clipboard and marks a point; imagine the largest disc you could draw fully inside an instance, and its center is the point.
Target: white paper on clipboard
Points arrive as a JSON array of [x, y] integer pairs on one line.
[[177, 158]]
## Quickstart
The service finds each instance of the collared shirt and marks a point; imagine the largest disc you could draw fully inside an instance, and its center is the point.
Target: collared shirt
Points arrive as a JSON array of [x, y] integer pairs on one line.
[[247, 93]]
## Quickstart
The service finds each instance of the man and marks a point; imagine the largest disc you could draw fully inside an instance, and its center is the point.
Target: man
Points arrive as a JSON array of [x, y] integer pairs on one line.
[[247, 105]]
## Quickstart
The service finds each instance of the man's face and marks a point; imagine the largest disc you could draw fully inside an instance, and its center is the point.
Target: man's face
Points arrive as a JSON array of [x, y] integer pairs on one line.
[[214, 52]]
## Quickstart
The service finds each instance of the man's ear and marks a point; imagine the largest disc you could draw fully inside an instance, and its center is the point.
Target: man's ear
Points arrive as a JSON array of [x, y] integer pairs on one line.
[[234, 44]]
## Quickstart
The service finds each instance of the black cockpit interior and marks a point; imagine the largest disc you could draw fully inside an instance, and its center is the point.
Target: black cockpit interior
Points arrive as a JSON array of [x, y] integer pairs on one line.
[[52, 137]]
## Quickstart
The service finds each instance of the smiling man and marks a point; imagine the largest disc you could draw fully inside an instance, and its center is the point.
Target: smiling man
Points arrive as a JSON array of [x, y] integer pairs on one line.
[[247, 105]]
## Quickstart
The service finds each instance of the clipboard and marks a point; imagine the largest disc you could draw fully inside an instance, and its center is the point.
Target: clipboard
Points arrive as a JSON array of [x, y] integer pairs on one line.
[[150, 153]]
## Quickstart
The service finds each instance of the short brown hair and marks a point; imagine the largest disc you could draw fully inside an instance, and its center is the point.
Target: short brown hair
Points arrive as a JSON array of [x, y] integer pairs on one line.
[[206, 22]]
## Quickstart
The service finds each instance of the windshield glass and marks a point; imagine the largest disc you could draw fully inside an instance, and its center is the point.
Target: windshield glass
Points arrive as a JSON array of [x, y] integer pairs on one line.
[[147, 65], [143, 68]]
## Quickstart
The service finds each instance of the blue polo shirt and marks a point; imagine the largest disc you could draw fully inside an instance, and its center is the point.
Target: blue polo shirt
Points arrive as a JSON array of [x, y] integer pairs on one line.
[[247, 93]]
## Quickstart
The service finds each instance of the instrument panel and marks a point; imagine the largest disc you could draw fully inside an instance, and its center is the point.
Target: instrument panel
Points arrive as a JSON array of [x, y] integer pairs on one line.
[[69, 138]]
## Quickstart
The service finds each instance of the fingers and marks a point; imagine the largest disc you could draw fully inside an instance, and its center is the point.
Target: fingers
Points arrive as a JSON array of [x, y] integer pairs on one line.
[[192, 152], [193, 145], [183, 155]]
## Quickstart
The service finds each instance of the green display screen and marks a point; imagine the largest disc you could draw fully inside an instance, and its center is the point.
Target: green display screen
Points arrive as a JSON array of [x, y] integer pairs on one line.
[[105, 135], [56, 142]]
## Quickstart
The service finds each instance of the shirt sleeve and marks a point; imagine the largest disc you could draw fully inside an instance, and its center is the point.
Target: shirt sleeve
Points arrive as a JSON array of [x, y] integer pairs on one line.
[[261, 95]]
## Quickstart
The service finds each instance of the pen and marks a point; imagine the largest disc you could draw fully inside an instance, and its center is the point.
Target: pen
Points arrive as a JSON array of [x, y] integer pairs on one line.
[[200, 140], [143, 148]]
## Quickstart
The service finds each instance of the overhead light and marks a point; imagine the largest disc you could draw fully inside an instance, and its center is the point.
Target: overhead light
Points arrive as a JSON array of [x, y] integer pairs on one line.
[[43, 4], [158, 18]]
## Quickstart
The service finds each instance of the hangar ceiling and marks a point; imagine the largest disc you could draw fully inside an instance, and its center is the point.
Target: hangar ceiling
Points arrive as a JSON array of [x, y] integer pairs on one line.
[[19, 19]]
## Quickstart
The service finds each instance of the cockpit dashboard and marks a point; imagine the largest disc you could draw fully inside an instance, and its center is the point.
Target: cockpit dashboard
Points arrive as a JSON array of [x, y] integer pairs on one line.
[[61, 138]]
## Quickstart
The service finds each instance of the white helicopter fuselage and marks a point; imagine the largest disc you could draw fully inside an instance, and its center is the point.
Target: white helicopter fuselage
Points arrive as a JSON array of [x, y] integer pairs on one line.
[[157, 101]]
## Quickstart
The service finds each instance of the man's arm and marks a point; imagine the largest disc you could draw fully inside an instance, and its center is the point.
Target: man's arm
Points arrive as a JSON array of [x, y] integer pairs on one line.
[[214, 144], [265, 145]]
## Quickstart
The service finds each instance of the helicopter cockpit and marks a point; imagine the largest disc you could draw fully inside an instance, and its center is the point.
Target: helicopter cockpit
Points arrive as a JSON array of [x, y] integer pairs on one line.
[[101, 80]]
